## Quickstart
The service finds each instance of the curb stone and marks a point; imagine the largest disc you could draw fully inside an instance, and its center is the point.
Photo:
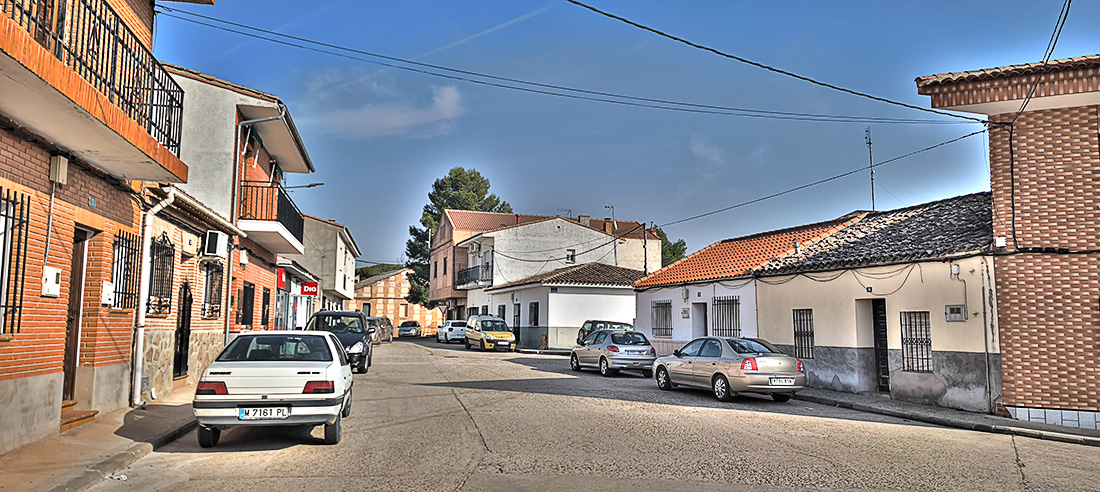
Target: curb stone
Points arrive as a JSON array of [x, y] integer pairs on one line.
[[111, 465]]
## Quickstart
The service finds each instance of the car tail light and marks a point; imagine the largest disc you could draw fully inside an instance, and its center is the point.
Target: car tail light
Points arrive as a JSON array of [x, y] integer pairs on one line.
[[211, 388], [320, 387], [652, 351], [749, 364], [450, 329], [800, 366], [612, 348]]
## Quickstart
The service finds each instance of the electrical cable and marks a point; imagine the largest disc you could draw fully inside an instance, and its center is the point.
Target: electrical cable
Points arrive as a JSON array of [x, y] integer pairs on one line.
[[770, 68], [653, 103], [821, 181]]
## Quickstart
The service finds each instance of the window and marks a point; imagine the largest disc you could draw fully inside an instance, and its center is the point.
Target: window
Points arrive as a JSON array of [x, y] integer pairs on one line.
[[500, 311], [534, 313], [727, 316], [691, 349], [124, 271], [444, 266], [711, 348], [435, 270], [246, 299], [570, 256], [405, 310], [265, 308], [956, 312], [916, 341], [662, 318], [13, 259], [515, 315], [212, 290], [804, 333], [484, 309], [601, 336], [162, 256]]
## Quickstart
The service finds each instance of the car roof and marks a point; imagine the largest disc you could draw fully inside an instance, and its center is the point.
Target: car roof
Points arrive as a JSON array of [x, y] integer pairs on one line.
[[284, 333], [486, 316], [338, 313]]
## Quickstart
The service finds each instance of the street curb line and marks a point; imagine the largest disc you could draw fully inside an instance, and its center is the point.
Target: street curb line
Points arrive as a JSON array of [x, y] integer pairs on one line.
[[109, 466], [959, 424], [544, 352]]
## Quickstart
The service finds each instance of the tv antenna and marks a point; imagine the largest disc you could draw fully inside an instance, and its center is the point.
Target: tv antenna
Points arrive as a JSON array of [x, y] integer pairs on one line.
[[568, 211], [871, 166]]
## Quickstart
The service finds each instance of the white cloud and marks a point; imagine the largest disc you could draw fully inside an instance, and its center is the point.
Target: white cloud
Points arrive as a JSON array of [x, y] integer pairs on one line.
[[393, 117], [711, 155]]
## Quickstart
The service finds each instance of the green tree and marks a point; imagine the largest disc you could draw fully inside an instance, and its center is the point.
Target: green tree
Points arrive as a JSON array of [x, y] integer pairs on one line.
[[370, 271], [460, 189], [670, 251]]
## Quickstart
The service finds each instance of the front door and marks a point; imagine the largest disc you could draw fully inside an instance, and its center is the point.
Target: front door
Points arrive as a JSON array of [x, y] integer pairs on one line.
[[248, 303], [882, 352], [72, 325], [183, 332], [699, 320]]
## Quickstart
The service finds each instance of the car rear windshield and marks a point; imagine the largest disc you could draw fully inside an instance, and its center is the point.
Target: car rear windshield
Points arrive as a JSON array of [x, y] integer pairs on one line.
[[629, 339], [745, 346], [276, 348], [493, 325], [459, 324], [611, 325], [336, 324]]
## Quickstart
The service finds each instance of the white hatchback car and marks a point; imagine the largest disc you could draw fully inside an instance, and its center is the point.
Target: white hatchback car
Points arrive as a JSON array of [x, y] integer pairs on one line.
[[451, 330], [275, 378]]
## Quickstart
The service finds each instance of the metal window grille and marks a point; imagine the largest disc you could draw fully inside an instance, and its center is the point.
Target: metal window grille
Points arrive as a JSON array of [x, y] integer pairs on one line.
[[916, 341], [125, 271], [162, 255], [662, 318], [534, 314], [727, 316], [804, 333], [14, 213], [212, 292]]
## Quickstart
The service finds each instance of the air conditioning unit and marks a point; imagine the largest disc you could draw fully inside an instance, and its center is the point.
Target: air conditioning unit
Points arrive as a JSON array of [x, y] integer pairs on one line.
[[216, 243]]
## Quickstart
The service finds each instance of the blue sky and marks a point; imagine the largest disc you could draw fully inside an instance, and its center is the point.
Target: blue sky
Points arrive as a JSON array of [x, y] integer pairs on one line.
[[380, 136]]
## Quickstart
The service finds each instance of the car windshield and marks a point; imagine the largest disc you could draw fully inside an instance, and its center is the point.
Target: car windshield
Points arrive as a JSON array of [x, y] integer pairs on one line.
[[408, 323], [493, 325], [336, 324], [276, 348], [744, 346], [629, 339], [373, 323]]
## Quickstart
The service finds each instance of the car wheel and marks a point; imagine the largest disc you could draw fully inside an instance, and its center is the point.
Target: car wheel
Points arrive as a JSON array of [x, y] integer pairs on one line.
[[362, 366], [574, 363], [332, 432], [605, 368], [347, 408], [663, 382], [467, 342], [483, 344], [781, 397], [647, 373], [208, 436], [721, 388]]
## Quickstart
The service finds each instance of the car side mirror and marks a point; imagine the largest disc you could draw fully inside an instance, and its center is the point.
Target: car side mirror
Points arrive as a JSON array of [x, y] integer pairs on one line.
[[676, 352], [372, 330]]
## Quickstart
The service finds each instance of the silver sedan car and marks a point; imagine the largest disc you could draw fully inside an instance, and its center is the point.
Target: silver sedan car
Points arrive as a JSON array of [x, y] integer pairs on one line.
[[613, 350], [728, 366]]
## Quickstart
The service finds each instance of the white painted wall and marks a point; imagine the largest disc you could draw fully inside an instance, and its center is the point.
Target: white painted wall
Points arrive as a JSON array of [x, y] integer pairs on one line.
[[572, 306], [633, 255], [745, 290], [544, 240]]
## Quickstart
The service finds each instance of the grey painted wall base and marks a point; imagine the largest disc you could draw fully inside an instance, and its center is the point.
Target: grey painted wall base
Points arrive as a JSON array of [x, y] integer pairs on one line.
[[30, 409], [846, 369], [104, 388]]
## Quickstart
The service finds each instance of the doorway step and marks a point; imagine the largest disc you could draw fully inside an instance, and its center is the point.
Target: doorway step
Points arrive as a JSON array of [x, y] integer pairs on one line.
[[72, 418]]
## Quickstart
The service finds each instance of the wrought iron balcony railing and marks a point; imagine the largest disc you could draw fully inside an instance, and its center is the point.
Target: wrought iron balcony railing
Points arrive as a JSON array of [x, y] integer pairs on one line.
[[91, 38], [261, 200], [478, 275]]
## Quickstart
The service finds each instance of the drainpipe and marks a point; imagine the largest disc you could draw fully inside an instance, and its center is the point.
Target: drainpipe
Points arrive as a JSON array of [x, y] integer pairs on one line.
[[143, 294], [237, 158], [985, 335]]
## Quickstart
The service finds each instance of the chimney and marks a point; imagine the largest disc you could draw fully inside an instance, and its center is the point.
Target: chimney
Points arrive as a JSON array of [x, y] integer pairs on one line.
[[585, 220], [607, 225]]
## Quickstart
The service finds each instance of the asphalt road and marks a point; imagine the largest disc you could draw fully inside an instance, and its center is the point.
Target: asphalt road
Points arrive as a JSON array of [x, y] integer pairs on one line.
[[438, 417]]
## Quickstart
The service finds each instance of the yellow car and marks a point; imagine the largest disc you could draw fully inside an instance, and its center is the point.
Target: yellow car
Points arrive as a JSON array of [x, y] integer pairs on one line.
[[489, 332]]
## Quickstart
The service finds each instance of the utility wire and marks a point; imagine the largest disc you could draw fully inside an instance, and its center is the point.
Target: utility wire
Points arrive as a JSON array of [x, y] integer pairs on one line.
[[548, 89], [770, 68], [821, 181]]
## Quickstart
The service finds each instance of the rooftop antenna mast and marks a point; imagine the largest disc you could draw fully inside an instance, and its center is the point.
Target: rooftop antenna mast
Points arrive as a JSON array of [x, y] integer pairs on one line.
[[871, 166], [614, 225], [568, 211]]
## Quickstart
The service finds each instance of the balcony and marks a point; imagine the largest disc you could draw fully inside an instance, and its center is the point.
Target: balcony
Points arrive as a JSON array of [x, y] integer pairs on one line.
[[270, 217], [474, 277], [76, 75]]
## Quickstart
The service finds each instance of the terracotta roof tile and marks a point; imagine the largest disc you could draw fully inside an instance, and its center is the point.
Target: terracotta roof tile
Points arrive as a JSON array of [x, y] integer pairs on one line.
[[595, 274], [740, 256], [1026, 68]]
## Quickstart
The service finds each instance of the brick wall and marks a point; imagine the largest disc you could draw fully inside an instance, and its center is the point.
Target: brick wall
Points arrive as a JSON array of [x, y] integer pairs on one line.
[[38, 348], [260, 271], [1048, 303], [387, 298]]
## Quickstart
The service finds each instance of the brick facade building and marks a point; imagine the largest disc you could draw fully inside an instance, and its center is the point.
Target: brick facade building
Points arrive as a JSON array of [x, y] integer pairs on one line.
[[1042, 167], [384, 295]]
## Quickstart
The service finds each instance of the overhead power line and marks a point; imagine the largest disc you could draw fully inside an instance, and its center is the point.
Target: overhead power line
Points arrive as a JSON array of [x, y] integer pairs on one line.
[[768, 67], [537, 87], [821, 181]]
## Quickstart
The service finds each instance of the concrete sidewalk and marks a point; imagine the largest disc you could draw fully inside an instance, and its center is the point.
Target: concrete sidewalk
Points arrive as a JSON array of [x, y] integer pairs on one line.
[[948, 417], [83, 456]]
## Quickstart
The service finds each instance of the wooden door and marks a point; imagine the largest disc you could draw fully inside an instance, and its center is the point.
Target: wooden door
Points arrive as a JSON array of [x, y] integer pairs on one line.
[[72, 325]]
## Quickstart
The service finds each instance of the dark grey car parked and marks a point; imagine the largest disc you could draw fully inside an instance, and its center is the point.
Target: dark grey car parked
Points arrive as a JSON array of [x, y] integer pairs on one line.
[[353, 331]]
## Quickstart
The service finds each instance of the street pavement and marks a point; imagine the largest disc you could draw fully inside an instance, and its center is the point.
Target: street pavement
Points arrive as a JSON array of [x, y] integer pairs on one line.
[[439, 417]]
